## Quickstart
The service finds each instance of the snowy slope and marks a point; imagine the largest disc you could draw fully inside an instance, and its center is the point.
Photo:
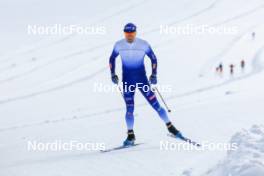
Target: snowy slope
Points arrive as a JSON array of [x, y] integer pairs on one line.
[[46, 86], [247, 159]]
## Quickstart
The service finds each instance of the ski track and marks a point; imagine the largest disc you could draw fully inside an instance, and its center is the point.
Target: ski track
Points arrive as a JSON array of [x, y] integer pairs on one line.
[[110, 42], [62, 86], [242, 15], [77, 156], [63, 58], [67, 158], [125, 9], [198, 13], [256, 65], [74, 82], [119, 12], [172, 97], [94, 48], [81, 52], [65, 73], [191, 16], [63, 119]]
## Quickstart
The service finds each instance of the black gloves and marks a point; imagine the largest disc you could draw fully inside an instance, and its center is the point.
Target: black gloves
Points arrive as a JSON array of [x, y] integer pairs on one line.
[[114, 78]]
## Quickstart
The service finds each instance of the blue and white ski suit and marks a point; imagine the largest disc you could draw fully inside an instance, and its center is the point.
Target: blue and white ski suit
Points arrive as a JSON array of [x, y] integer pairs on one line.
[[134, 75]]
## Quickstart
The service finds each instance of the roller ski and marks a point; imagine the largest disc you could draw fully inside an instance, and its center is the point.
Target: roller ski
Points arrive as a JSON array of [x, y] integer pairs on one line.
[[174, 133]]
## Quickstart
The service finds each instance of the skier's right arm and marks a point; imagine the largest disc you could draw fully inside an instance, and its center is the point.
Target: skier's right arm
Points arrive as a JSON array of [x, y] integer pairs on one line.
[[112, 61]]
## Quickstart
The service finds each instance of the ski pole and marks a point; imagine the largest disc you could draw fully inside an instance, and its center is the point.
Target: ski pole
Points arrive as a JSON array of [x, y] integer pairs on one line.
[[162, 99]]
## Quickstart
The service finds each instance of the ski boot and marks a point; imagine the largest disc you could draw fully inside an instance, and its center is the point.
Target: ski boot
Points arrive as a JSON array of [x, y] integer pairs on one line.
[[130, 140], [174, 131]]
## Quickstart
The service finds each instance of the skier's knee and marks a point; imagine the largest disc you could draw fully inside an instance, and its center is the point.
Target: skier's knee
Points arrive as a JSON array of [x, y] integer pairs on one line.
[[156, 105], [160, 109], [129, 115]]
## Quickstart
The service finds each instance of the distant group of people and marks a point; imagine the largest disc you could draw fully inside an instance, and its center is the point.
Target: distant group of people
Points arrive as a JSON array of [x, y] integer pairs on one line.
[[220, 67]]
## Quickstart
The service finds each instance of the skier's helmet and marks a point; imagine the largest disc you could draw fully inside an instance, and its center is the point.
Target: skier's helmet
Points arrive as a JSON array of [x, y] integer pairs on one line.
[[130, 27]]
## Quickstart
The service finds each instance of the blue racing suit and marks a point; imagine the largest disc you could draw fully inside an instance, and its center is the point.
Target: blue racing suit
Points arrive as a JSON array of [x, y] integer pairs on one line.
[[134, 75]]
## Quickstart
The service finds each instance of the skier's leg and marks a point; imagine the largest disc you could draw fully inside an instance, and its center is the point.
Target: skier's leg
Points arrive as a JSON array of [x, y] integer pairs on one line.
[[129, 93], [146, 91], [129, 100]]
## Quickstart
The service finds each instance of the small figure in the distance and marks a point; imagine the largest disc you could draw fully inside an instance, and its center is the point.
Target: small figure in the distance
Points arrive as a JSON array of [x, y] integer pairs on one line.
[[253, 35], [217, 69], [231, 68], [242, 64], [220, 68]]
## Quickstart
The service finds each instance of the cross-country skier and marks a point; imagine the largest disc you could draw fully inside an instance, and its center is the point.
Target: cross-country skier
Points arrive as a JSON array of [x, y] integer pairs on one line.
[[220, 67], [231, 68], [253, 34], [132, 51], [242, 64]]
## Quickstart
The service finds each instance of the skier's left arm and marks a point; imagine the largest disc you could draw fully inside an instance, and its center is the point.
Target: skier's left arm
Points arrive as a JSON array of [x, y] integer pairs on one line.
[[153, 58]]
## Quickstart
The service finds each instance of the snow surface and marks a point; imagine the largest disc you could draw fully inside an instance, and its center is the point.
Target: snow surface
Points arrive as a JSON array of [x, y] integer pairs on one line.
[[247, 159], [47, 82]]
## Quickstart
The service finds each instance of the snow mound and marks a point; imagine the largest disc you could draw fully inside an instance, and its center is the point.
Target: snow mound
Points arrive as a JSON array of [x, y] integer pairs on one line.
[[247, 159]]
